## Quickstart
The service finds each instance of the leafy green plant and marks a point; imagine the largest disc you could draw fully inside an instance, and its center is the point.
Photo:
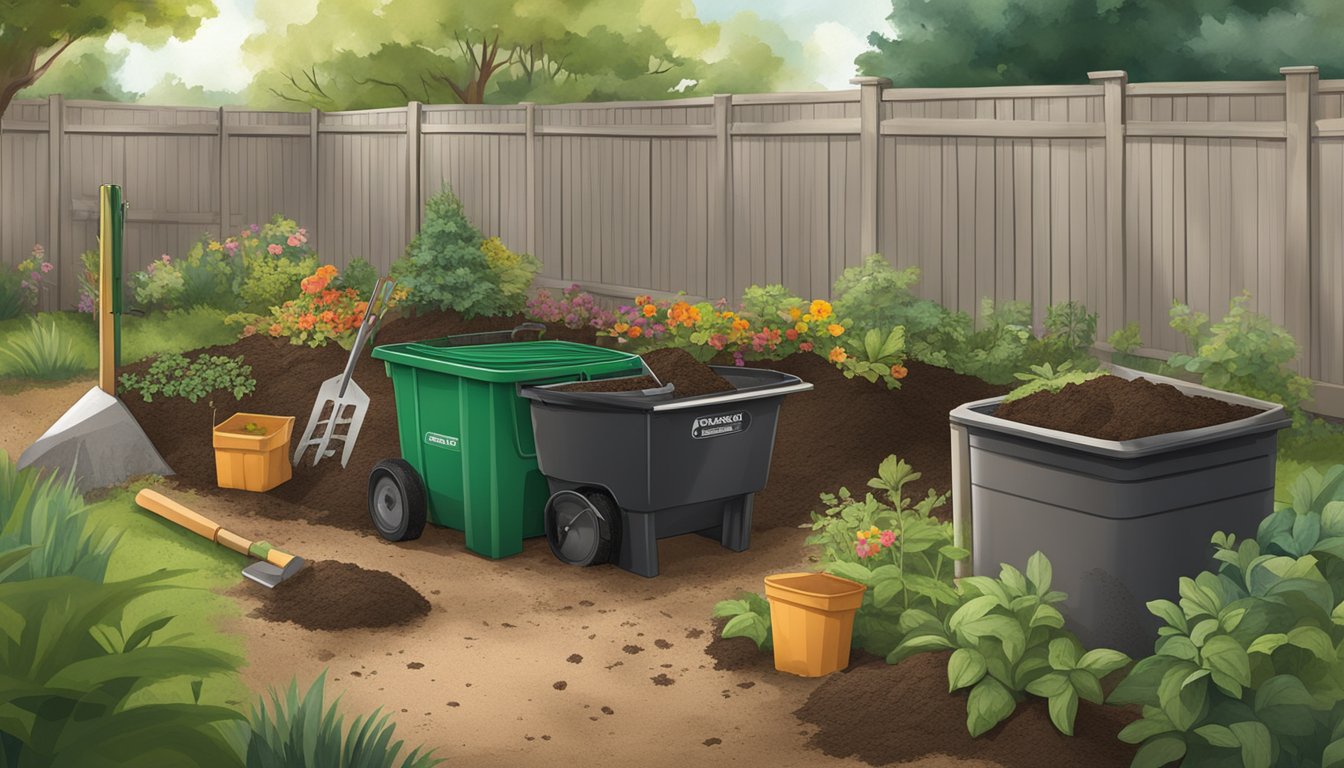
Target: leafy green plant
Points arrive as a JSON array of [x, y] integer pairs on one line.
[[304, 732], [1070, 331], [772, 303], [13, 297], [1044, 378], [1008, 640], [895, 547], [878, 356], [69, 669], [44, 352], [450, 266], [874, 294], [45, 516], [1244, 353], [358, 274], [172, 375], [1247, 669], [748, 616]]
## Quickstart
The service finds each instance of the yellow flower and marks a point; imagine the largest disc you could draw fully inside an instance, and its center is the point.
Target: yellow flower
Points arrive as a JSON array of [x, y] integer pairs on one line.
[[620, 327], [807, 318], [863, 535], [874, 531], [838, 355], [795, 313], [215, 246], [835, 329], [800, 327], [820, 309]]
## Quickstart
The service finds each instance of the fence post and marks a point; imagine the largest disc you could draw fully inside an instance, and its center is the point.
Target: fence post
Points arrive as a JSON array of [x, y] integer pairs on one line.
[[530, 173], [1300, 196], [1113, 110], [224, 213], [314, 117], [721, 214], [870, 167], [413, 114], [55, 136]]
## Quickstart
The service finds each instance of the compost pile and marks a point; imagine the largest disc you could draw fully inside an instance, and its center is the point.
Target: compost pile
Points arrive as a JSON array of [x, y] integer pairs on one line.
[[331, 595], [884, 714], [834, 435], [1112, 408], [689, 377]]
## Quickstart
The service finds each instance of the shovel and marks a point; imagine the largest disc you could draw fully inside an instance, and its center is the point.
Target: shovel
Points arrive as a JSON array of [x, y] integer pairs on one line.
[[348, 402], [273, 567]]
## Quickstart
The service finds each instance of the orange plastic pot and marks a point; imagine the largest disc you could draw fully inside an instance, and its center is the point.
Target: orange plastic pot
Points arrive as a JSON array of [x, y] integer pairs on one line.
[[252, 461], [812, 620]]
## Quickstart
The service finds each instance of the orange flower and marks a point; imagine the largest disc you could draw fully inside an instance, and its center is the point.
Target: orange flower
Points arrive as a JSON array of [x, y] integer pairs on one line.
[[330, 297], [275, 329], [837, 355], [635, 331], [898, 372], [650, 310], [328, 316], [359, 308], [620, 327], [327, 271], [835, 329], [313, 285], [820, 309], [741, 325], [306, 322]]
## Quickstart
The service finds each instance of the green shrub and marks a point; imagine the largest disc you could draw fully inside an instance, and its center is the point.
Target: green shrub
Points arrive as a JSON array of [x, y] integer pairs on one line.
[[358, 274], [44, 352], [449, 265], [748, 616], [13, 298], [1008, 640], [172, 375], [304, 732], [1247, 670], [70, 666], [47, 517], [878, 354], [178, 330]]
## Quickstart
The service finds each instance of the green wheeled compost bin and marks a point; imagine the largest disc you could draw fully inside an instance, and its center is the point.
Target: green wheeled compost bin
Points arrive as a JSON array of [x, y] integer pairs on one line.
[[468, 460]]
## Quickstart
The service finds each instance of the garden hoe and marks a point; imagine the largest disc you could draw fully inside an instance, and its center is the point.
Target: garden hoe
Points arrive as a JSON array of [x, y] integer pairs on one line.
[[274, 566], [97, 441], [348, 402]]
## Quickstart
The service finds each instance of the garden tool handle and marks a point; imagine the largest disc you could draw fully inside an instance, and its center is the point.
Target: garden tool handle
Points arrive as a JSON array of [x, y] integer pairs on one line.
[[175, 512], [364, 328]]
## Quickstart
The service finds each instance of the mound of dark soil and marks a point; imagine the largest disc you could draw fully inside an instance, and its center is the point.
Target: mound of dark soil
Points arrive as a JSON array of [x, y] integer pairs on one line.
[[689, 376], [884, 714], [331, 595], [1112, 408], [624, 384], [737, 654]]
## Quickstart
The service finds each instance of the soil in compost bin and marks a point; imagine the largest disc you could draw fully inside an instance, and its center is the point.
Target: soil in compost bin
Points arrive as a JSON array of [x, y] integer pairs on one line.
[[884, 714], [1112, 408], [331, 595], [628, 384], [677, 367]]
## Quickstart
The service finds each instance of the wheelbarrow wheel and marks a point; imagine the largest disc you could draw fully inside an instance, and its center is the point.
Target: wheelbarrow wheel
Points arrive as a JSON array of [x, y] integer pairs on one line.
[[396, 500], [581, 527]]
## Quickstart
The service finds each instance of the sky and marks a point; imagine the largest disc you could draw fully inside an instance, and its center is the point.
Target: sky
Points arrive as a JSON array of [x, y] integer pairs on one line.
[[833, 31]]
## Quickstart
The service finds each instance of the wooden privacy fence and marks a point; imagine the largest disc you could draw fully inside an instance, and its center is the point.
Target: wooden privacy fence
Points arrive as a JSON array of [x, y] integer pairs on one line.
[[1123, 196]]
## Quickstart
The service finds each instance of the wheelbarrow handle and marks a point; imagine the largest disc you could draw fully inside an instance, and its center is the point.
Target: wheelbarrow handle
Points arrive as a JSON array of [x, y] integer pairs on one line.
[[539, 328]]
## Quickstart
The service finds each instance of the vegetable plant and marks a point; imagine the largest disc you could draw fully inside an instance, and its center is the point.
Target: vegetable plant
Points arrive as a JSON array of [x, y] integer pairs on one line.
[[748, 616], [1247, 669], [1044, 378], [1008, 640], [172, 375], [878, 356]]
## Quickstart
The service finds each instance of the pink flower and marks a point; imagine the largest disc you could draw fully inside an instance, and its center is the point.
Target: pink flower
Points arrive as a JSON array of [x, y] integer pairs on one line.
[[166, 258], [275, 249], [888, 538], [861, 548], [806, 346], [294, 241], [47, 266]]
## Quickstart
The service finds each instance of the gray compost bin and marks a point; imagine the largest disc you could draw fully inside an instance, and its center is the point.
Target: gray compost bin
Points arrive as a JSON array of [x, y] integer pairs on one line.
[[1120, 521]]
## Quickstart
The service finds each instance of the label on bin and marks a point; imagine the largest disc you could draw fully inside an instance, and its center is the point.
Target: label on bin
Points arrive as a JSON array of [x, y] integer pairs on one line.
[[443, 441], [723, 424]]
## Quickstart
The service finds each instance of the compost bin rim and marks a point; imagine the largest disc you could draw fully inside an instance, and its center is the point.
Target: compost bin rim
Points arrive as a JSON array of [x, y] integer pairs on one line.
[[784, 384], [977, 414], [449, 360]]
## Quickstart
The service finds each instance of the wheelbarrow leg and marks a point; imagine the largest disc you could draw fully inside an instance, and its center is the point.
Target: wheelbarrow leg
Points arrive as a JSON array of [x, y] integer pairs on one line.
[[734, 530], [638, 551]]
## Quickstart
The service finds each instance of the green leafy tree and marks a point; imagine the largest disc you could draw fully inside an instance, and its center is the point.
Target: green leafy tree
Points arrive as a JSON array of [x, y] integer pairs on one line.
[[33, 35], [971, 42]]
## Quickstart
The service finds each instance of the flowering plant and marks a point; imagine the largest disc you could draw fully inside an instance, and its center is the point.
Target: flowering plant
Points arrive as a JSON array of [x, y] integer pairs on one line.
[[88, 282], [33, 272], [320, 313], [574, 308]]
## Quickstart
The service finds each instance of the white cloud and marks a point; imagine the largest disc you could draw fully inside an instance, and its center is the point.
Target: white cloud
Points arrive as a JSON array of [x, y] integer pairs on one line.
[[831, 50], [212, 58]]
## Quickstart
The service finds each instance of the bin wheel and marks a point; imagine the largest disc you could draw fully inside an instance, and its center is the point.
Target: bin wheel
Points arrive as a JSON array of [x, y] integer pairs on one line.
[[396, 500], [581, 527]]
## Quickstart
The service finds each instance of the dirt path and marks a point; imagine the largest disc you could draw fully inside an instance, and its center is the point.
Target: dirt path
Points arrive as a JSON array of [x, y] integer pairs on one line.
[[25, 415]]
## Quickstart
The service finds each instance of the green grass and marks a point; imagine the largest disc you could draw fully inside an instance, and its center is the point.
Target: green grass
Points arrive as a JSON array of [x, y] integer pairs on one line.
[[175, 331], [149, 543]]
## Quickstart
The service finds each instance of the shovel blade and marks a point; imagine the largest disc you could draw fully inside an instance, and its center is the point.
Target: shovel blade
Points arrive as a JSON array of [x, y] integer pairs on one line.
[[268, 575]]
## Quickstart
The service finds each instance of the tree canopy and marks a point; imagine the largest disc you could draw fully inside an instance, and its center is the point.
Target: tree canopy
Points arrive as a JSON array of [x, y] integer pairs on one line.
[[1006, 42], [345, 57], [33, 35]]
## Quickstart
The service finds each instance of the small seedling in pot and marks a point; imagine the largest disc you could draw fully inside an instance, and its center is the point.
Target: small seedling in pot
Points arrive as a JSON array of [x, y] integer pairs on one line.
[[254, 428]]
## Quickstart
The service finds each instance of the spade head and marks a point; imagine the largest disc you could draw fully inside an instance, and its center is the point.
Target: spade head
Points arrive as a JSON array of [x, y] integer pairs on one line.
[[268, 575]]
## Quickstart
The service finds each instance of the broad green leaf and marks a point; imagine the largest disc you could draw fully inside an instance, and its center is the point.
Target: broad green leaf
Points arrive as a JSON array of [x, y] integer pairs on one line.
[[1039, 572], [1047, 616], [989, 703], [1313, 639], [1202, 630], [1337, 615], [746, 625], [984, 585], [884, 573], [914, 618], [851, 571], [917, 644], [887, 590], [1168, 612], [725, 608], [1148, 726], [1184, 704], [1143, 683], [1063, 709], [965, 668], [1224, 654], [974, 609], [1007, 631], [1333, 757], [1267, 644], [1063, 654], [1255, 743], [1178, 647], [1157, 753], [1231, 618], [1045, 686], [1102, 661], [1087, 685], [1218, 735], [1012, 579], [954, 553]]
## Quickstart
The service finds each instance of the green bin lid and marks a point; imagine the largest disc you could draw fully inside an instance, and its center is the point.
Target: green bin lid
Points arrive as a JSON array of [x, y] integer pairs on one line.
[[510, 361]]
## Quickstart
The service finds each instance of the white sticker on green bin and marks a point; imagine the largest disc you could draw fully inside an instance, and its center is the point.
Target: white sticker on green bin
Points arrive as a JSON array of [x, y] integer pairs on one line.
[[442, 441]]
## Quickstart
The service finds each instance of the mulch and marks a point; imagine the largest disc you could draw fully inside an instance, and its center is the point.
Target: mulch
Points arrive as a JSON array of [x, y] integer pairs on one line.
[[331, 595]]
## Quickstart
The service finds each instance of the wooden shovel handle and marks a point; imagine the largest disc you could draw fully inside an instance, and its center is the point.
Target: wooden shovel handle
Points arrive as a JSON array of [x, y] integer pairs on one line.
[[195, 522]]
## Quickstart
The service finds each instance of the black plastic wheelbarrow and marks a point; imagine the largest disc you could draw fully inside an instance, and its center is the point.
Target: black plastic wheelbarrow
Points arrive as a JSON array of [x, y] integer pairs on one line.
[[626, 469]]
